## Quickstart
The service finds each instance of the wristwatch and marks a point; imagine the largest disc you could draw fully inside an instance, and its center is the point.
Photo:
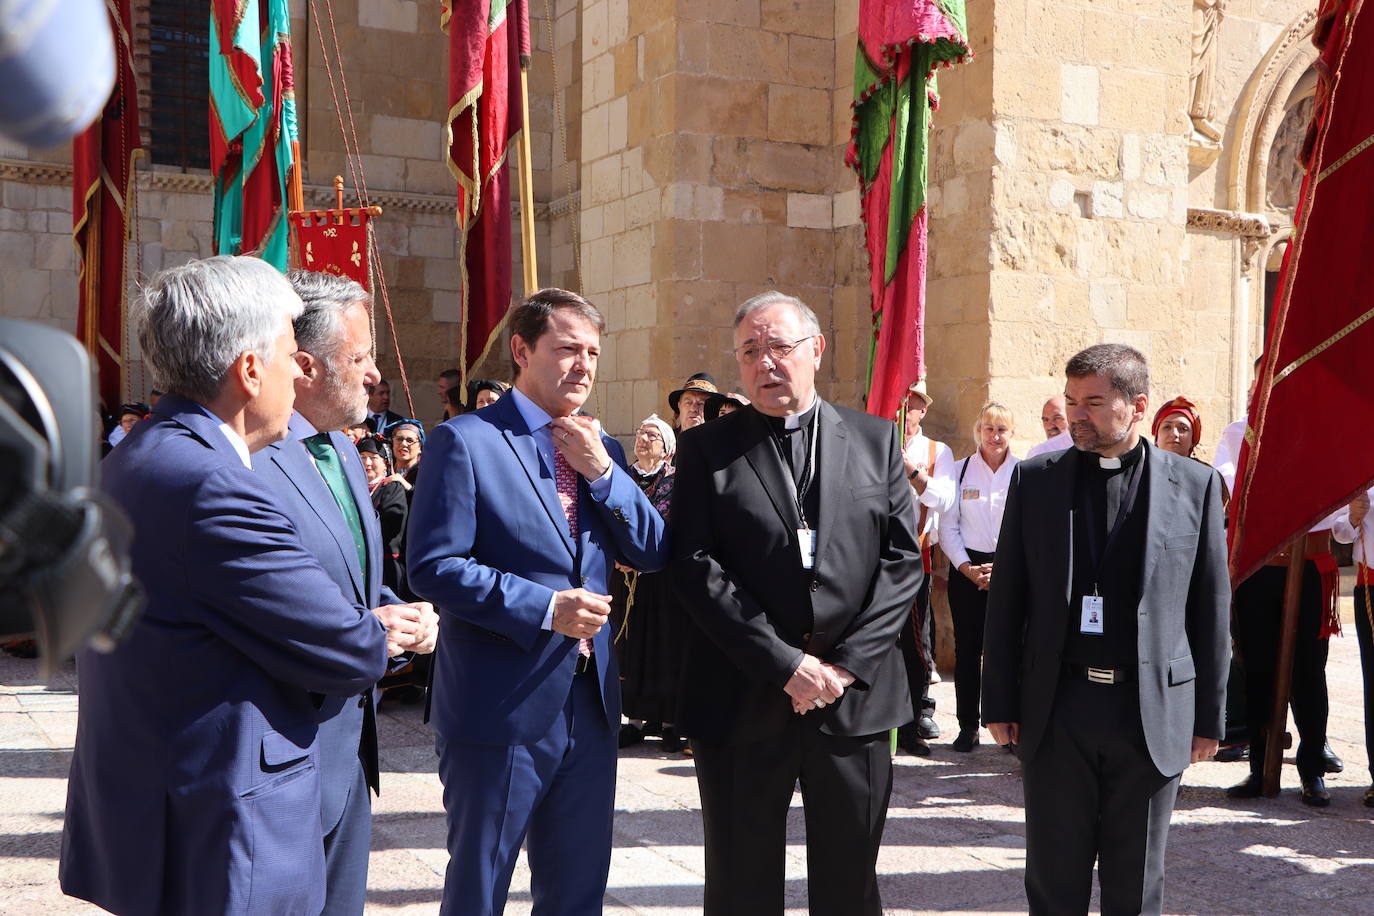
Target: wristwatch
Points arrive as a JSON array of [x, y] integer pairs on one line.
[[912, 475]]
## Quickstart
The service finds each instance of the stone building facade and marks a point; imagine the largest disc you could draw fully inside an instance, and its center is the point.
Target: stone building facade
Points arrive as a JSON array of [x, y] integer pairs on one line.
[[689, 154]]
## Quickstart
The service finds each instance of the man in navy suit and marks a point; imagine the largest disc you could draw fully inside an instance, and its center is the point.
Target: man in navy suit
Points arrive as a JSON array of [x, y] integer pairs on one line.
[[522, 511], [196, 782], [319, 482]]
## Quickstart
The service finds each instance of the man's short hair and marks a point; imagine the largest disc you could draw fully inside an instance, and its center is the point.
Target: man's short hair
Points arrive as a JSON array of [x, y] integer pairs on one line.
[[530, 319], [327, 297], [1123, 366], [196, 319], [452, 376], [809, 322]]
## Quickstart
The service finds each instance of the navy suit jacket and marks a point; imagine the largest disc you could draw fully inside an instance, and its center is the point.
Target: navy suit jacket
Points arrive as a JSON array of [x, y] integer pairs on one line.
[[348, 725], [488, 543], [195, 785]]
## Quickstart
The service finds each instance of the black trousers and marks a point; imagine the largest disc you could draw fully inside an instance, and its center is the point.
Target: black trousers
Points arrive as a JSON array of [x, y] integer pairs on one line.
[[1093, 794], [968, 606], [1258, 615], [918, 651], [1363, 608], [746, 790]]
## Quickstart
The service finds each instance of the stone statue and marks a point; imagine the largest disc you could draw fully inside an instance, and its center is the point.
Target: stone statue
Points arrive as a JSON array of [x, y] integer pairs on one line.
[[1207, 16]]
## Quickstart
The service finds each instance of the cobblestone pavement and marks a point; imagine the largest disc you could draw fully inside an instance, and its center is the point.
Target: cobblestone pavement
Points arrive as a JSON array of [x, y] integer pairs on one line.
[[954, 840]]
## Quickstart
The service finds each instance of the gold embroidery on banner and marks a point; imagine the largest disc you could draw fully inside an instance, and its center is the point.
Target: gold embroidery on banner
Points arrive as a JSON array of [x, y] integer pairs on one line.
[[1359, 148], [1322, 347]]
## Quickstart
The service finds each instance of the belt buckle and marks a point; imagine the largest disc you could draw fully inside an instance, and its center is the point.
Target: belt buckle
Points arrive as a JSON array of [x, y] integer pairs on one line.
[[1102, 675]]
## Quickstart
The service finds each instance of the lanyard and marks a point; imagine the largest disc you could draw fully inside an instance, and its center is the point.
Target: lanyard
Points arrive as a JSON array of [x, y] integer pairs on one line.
[[808, 470], [1099, 556]]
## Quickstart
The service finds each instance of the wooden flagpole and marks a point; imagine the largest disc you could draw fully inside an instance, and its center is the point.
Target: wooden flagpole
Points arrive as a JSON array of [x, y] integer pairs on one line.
[[528, 257], [1283, 675]]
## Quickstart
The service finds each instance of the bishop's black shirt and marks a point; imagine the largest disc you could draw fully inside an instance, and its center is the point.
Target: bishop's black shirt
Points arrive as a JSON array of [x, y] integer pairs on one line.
[[794, 445], [1112, 564]]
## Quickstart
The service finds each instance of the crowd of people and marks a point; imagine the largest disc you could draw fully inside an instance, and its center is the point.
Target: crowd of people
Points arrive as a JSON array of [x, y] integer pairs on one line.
[[751, 586]]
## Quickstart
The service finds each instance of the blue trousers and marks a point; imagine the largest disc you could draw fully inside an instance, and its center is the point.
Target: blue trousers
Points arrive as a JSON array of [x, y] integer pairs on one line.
[[556, 796], [346, 847]]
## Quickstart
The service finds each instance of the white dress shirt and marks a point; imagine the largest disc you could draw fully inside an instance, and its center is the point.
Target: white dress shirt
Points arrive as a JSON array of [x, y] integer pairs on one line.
[[1227, 453], [538, 420], [939, 494], [232, 435], [976, 518], [1053, 444], [1342, 532]]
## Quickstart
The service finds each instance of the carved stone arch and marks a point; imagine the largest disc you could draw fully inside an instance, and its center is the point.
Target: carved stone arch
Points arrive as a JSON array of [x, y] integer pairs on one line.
[[1262, 108]]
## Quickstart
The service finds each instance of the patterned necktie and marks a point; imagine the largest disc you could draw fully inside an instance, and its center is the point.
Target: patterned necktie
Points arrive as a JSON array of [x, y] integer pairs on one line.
[[566, 480], [327, 462]]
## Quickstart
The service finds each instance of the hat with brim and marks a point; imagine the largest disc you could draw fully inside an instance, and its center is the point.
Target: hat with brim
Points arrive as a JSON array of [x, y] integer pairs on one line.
[[702, 381], [919, 389], [715, 402]]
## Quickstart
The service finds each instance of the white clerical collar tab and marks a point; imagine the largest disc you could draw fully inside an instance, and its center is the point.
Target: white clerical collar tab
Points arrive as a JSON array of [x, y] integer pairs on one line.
[[792, 420], [1110, 464]]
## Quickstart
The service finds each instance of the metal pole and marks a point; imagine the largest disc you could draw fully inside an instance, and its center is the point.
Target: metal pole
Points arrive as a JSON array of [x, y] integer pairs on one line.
[[527, 252]]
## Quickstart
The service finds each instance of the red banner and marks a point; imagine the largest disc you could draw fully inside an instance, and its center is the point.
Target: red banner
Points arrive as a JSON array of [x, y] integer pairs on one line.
[[487, 39], [102, 182], [334, 242], [1311, 400]]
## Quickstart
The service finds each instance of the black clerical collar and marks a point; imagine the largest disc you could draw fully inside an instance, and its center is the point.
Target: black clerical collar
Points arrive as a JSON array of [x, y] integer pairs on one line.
[[1129, 459], [793, 421]]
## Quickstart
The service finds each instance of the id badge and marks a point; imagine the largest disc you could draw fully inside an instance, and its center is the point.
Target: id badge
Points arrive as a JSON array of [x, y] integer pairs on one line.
[[1091, 620], [806, 545]]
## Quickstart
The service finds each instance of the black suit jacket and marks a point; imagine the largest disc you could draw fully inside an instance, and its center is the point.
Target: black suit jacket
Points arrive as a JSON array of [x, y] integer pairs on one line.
[[737, 571], [389, 419], [1183, 648]]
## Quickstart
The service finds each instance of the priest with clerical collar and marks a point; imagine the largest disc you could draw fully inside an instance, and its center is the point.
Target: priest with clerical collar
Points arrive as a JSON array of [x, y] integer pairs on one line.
[[1106, 696]]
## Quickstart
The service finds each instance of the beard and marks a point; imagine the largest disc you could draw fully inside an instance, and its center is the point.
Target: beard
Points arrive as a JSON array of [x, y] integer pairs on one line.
[[1088, 438], [341, 403]]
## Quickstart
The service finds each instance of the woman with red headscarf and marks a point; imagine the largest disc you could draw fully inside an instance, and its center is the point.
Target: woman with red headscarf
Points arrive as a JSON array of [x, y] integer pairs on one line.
[[1177, 427]]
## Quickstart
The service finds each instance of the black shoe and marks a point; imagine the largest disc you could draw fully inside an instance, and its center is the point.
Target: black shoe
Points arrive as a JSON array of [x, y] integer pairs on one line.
[[672, 742], [1330, 762], [1369, 797], [1252, 787], [926, 727], [1233, 753], [630, 735], [910, 741], [967, 740], [1314, 793]]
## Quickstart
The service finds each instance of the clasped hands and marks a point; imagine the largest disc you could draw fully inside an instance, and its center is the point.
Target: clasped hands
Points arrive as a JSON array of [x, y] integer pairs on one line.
[[979, 575], [410, 627], [579, 439], [816, 684], [579, 613]]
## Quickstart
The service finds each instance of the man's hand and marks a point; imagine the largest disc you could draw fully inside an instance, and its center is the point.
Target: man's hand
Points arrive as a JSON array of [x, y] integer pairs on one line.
[[579, 613], [579, 439], [1359, 508], [814, 680], [429, 629], [1204, 749], [406, 625], [1005, 733], [980, 576]]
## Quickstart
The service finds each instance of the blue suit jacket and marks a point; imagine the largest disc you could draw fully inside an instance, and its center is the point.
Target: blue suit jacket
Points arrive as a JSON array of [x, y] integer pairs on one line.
[[347, 725], [195, 785], [488, 543]]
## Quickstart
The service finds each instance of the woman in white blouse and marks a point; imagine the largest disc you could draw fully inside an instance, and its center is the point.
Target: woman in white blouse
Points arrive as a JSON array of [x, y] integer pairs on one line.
[[968, 535]]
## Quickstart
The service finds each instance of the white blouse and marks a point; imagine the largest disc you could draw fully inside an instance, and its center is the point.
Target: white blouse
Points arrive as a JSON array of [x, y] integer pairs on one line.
[[979, 500]]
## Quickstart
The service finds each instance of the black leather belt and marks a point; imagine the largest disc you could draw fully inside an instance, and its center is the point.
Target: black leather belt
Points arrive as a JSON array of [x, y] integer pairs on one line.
[[1101, 675], [586, 664]]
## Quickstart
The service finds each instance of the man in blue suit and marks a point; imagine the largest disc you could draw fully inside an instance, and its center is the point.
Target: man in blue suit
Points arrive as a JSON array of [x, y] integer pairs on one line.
[[320, 486], [518, 519], [196, 782]]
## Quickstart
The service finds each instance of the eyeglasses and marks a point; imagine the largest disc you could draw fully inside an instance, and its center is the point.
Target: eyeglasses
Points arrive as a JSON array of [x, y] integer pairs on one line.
[[777, 352], [405, 440], [652, 437]]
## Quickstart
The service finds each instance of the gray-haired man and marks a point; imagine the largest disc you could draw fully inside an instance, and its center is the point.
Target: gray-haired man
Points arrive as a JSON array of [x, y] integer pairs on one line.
[[318, 478]]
